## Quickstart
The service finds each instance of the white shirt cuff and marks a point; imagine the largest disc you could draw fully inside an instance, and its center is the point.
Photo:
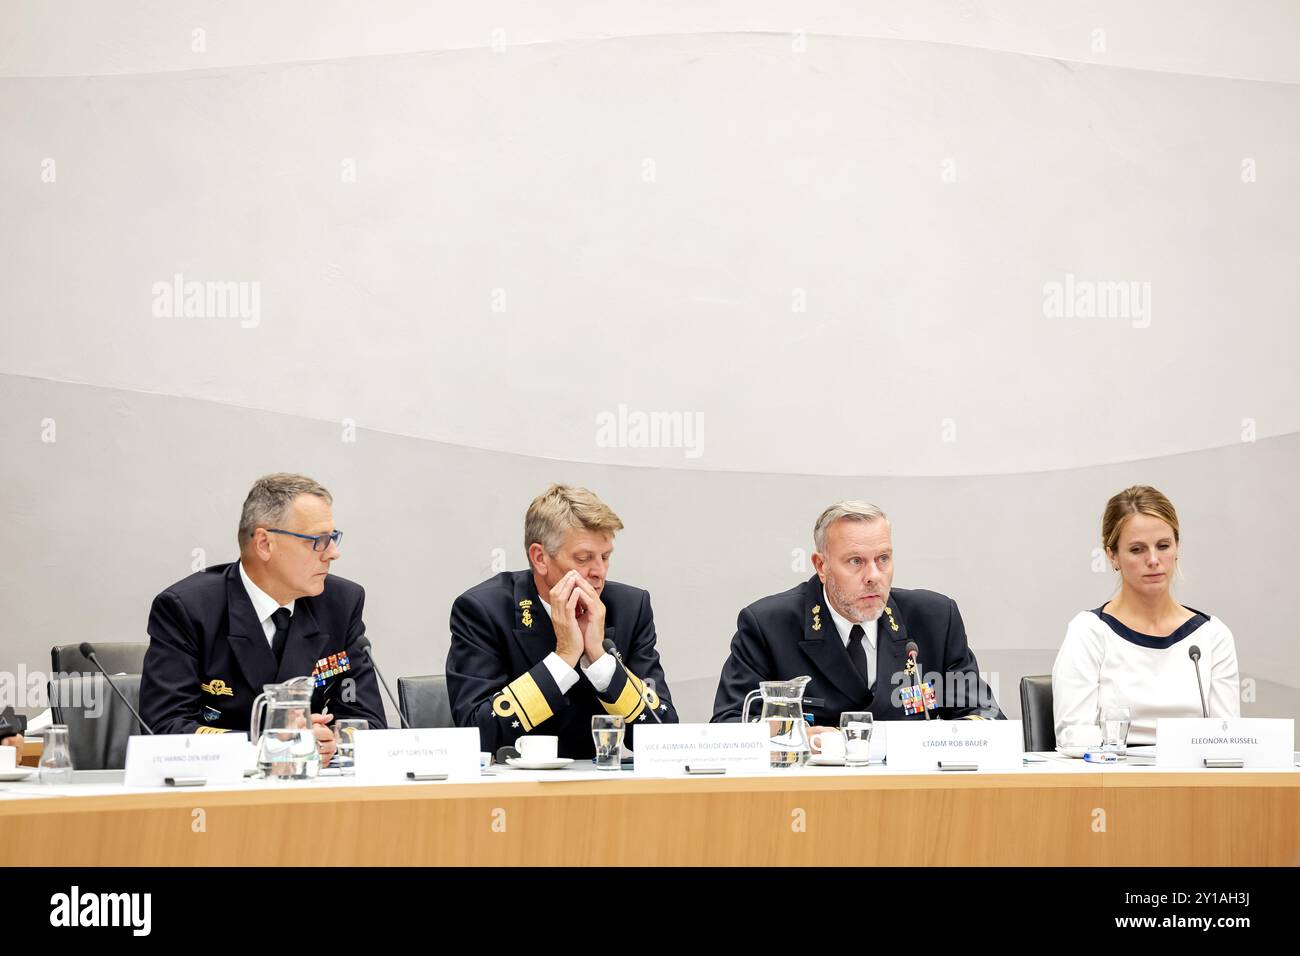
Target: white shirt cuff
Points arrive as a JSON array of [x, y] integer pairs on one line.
[[601, 672], [565, 676]]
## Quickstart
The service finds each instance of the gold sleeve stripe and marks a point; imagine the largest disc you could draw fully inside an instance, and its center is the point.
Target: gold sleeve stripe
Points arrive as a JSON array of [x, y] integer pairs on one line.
[[630, 702], [507, 705], [531, 699], [211, 730]]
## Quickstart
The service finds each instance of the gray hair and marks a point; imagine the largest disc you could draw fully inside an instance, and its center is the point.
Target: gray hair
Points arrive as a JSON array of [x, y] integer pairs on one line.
[[853, 510], [561, 507], [270, 499]]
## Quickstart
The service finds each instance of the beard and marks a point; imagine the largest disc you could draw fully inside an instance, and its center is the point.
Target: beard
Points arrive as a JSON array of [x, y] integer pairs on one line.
[[851, 610]]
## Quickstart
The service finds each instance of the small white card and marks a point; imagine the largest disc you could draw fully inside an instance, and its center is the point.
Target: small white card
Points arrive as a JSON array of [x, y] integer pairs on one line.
[[1186, 742], [386, 756], [668, 748], [218, 758], [922, 744]]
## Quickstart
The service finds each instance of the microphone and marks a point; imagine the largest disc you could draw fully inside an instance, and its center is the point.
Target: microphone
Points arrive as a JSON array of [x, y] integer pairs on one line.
[[912, 667], [608, 645], [362, 644], [88, 651], [1194, 653]]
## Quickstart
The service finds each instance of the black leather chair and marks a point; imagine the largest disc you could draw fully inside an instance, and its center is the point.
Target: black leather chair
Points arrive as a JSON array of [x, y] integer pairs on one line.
[[118, 658], [424, 700], [98, 723], [1036, 718]]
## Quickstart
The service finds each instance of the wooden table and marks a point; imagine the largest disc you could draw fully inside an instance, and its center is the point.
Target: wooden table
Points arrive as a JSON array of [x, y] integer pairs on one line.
[[1130, 818]]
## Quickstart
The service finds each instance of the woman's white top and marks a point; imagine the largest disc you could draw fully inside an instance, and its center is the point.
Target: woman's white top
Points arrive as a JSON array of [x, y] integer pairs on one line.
[[1104, 661]]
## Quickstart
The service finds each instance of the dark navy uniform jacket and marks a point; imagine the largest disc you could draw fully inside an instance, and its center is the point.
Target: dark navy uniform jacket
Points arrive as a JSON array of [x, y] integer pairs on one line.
[[208, 656], [791, 635], [498, 680]]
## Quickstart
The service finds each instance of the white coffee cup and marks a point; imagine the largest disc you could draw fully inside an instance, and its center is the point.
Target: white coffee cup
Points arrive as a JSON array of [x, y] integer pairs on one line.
[[830, 743], [537, 749], [8, 758]]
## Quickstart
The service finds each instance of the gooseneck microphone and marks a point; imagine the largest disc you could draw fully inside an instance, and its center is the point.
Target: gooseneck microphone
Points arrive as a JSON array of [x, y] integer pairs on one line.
[[362, 644], [88, 652], [1194, 653], [608, 645], [913, 668]]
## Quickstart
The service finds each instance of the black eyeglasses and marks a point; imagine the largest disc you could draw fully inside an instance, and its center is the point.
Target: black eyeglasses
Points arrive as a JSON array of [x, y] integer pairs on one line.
[[319, 542]]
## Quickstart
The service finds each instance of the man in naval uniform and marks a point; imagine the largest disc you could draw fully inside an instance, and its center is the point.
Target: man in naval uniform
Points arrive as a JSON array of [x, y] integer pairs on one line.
[[528, 651], [219, 635], [849, 631]]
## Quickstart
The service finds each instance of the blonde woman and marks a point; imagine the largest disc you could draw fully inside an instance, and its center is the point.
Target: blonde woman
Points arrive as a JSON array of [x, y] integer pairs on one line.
[[1134, 650]]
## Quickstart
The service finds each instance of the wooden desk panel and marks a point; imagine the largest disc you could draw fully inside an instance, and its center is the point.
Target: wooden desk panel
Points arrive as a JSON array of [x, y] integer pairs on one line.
[[1149, 819]]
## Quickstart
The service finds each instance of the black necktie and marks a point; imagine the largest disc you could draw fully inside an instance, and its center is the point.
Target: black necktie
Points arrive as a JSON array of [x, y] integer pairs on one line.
[[857, 653], [281, 620]]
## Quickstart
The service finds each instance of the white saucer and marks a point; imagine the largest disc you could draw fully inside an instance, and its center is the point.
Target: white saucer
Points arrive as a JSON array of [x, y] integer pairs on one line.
[[819, 760], [519, 763], [18, 773]]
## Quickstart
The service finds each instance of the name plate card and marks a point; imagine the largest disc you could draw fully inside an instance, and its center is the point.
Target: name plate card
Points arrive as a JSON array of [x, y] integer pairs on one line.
[[218, 758], [386, 756], [922, 744], [1187, 742], [667, 749]]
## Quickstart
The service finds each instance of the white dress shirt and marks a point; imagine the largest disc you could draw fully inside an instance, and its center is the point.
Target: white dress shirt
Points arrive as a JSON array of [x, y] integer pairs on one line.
[[263, 604], [598, 674], [845, 627]]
